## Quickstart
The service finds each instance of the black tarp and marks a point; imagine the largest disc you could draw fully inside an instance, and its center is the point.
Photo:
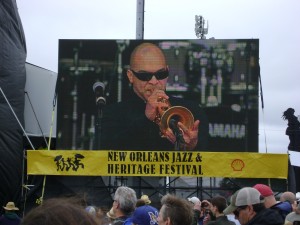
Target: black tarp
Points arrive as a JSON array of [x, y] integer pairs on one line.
[[12, 84]]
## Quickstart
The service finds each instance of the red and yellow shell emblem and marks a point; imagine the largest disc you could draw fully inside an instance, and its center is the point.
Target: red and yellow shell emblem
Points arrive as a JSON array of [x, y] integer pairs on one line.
[[237, 165]]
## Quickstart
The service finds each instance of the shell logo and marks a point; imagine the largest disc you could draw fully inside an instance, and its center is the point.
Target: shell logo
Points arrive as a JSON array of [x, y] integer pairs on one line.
[[237, 165]]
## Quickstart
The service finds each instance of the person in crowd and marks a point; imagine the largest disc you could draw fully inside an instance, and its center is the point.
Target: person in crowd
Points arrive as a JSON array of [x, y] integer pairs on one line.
[[140, 202], [110, 216], [196, 204], [283, 208], [175, 211], [293, 216], [10, 217], [59, 211], [202, 211], [99, 212], [293, 129], [206, 214], [228, 211], [91, 210], [123, 205], [250, 210], [146, 199], [133, 123], [217, 206], [145, 215], [289, 197]]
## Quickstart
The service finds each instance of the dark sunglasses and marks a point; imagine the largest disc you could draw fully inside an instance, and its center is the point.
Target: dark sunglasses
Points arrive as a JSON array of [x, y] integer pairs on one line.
[[146, 76], [238, 209]]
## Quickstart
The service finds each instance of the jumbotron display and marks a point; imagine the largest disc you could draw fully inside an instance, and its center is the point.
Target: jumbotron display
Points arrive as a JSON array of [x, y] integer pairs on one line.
[[220, 76]]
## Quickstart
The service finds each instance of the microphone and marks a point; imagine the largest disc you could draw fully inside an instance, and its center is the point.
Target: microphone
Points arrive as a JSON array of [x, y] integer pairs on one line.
[[177, 132], [99, 88]]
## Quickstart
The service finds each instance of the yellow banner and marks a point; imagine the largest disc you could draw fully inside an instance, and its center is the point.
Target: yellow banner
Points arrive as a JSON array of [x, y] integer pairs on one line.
[[156, 163]]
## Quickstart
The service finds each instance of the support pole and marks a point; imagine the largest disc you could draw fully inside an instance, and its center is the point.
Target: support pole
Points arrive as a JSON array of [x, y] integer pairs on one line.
[[140, 19]]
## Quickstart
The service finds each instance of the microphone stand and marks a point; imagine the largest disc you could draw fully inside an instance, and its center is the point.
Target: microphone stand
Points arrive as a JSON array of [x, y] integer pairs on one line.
[[98, 127], [179, 142], [178, 134]]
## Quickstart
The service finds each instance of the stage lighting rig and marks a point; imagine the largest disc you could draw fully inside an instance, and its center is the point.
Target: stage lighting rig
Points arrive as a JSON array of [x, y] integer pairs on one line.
[[200, 29]]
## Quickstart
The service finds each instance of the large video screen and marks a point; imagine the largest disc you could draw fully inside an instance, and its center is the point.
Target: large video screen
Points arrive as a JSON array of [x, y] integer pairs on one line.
[[218, 76]]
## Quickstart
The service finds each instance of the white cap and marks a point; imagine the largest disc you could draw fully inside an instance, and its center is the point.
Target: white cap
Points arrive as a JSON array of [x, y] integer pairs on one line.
[[194, 200]]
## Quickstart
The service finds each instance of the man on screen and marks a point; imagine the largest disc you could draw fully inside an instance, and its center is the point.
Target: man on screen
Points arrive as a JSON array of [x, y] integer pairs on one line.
[[133, 124]]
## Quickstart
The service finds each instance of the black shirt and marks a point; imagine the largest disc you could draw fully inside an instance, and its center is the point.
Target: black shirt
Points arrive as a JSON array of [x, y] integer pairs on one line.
[[125, 126]]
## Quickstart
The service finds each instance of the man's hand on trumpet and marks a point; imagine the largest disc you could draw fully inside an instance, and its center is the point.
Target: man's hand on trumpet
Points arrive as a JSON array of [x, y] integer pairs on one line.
[[190, 136], [155, 105]]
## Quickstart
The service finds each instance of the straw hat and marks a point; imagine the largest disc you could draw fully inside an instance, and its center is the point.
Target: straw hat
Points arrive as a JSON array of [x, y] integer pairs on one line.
[[110, 214], [10, 206], [146, 199]]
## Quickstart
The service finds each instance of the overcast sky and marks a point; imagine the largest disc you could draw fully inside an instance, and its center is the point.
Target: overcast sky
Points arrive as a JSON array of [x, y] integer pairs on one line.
[[274, 22]]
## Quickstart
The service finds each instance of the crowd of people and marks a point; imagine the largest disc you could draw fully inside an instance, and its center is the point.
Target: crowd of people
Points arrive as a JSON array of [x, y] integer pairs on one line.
[[255, 205]]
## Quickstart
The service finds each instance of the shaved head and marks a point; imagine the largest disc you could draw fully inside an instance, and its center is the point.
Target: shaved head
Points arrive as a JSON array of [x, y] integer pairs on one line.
[[288, 196], [147, 57]]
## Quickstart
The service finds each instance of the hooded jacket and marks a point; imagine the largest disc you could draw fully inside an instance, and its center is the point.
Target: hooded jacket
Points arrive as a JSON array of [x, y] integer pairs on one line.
[[284, 208], [266, 217]]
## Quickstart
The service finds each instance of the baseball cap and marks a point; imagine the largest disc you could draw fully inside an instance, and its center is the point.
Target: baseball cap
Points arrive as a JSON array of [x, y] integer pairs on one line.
[[232, 205], [145, 215], [91, 210], [193, 200], [264, 190], [247, 196]]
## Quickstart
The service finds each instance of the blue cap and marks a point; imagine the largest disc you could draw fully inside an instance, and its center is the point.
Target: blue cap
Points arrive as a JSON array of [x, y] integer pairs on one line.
[[145, 215]]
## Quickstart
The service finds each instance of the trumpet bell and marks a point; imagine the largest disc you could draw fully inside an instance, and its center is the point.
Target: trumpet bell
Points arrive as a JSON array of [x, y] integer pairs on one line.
[[180, 114]]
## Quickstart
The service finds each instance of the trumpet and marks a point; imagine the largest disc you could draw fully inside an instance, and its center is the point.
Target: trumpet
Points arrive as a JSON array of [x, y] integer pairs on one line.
[[176, 113]]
